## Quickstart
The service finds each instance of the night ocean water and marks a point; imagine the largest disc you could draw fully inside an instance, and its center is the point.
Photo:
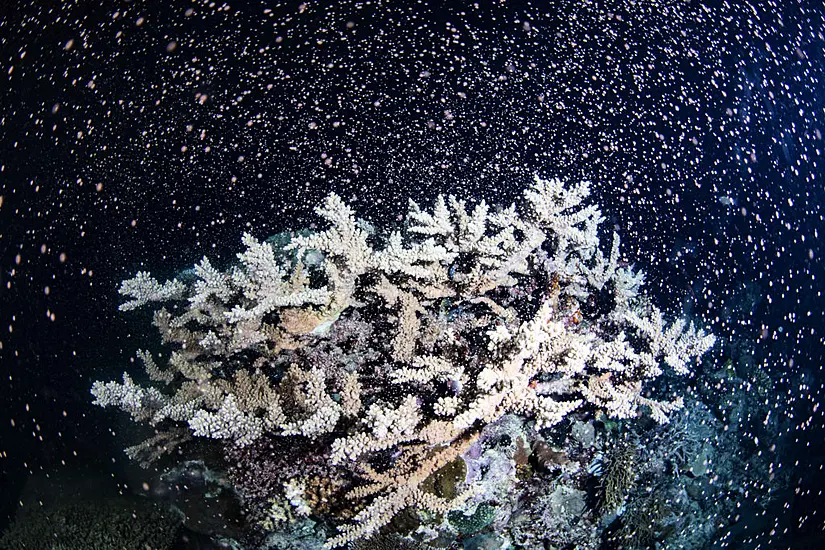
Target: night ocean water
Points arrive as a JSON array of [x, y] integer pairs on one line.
[[290, 226]]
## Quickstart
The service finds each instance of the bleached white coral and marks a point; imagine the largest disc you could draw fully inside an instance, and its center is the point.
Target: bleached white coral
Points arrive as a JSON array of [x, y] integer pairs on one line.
[[627, 285], [388, 427], [322, 411], [676, 344], [143, 288], [484, 241], [446, 406], [427, 368], [129, 397], [344, 243], [455, 349], [266, 285], [415, 260], [294, 491], [560, 209], [436, 223], [228, 422], [603, 269], [211, 282]]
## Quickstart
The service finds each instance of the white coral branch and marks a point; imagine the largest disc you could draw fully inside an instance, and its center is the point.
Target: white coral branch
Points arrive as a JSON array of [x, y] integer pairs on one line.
[[143, 288]]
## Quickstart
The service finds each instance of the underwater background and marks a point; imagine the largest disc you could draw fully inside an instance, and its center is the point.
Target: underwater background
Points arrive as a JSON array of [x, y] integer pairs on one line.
[[142, 136]]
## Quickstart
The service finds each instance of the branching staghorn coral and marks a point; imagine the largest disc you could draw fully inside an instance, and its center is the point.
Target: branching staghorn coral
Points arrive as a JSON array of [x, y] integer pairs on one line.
[[477, 313]]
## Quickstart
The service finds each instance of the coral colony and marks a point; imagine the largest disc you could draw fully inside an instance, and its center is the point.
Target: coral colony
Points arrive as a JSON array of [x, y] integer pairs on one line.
[[383, 356]]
